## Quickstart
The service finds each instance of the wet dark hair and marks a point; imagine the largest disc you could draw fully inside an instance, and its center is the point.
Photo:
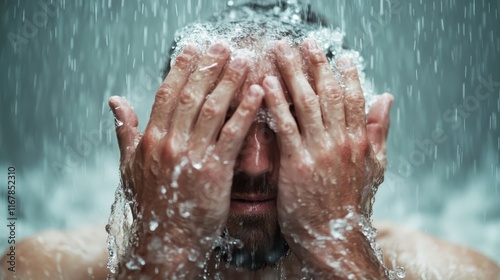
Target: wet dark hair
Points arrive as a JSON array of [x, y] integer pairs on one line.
[[308, 18]]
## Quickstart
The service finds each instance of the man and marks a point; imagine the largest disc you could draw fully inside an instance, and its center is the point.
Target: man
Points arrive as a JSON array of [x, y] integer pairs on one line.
[[230, 181]]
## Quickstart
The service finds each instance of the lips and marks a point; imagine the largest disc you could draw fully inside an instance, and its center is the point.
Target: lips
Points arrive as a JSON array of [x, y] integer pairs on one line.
[[252, 204]]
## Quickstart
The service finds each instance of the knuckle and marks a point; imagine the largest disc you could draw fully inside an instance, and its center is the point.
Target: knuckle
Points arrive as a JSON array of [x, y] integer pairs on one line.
[[187, 97], [287, 128], [165, 91], [168, 152], [147, 141], [245, 107], [230, 132], [362, 146], [345, 149], [332, 94], [356, 99], [211, 109], [183, 62], [310, 101], [326, 152]]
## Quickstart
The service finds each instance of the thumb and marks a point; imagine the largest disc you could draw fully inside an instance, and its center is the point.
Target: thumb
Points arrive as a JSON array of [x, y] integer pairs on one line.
[[378, 125], [126, 123]]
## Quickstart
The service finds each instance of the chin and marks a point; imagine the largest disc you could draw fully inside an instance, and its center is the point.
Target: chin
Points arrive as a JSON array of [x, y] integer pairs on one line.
[[263, 242]]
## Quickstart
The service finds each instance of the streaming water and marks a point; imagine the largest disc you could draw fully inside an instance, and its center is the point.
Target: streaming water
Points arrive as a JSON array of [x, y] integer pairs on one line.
[[61, 61]]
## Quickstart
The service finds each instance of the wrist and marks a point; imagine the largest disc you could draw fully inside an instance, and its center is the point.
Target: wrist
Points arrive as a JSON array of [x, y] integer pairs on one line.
[[343, 249], [160, 249], [160, 256]]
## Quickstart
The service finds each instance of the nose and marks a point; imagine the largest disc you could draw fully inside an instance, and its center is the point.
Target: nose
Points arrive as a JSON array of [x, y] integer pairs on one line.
[[258, 153]]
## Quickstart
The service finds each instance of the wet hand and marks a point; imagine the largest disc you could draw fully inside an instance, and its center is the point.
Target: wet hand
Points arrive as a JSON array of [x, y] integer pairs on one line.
[[332, 155], [179, 172]]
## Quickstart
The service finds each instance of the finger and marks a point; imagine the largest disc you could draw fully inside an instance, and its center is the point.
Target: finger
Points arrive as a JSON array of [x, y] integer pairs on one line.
[[305, 99], [286, 128], [378, 125], [330, 93], [213, 111], [354, 101], [167, 94], [126, 122], [235, 130], [193, 94]]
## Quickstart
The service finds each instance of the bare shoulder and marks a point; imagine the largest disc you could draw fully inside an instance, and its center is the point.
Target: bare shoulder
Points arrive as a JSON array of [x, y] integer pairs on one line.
[[426, 257], [75, 254]]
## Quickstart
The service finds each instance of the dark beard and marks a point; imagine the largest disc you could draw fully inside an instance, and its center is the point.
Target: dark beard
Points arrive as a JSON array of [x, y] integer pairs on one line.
[[262, 246], [263, 242]]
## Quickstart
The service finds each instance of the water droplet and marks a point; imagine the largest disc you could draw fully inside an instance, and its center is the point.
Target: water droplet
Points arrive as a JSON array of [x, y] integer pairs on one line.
[[185, 209], [400, 272], [135, 263], [197, 165], [193, 255], [118, 123], [170, 212], [337, 228], [153, 225]]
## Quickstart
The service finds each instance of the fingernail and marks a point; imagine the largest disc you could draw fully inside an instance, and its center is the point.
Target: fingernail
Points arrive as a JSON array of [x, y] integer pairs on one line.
[[272, 82], [239, 64], [285, 49], [216, 49]]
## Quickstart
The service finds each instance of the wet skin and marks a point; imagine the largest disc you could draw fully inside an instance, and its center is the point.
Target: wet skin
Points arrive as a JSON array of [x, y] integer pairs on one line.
[[290, 183], [82, 253]]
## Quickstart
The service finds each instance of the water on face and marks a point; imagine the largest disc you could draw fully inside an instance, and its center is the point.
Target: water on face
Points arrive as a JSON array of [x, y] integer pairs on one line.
[[439, 59]]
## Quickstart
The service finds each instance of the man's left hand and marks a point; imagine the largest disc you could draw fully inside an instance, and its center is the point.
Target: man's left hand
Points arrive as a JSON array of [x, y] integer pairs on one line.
[[332, 156]]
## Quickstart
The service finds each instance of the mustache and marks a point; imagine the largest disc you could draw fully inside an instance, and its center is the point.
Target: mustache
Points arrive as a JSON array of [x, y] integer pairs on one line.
[[261, 184]]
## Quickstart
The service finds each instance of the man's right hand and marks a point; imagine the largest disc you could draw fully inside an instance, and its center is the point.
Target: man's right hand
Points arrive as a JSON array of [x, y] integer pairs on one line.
[[179, 173]]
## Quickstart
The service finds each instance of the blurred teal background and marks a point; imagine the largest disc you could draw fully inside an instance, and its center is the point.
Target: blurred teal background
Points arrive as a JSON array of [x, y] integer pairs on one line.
[[61, 60]]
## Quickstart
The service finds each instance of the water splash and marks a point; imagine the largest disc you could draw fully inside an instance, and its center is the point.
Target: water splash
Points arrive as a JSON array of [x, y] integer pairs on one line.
[[185, 209], [266, 27], [223, 248], [371, 233], [118, 123], [120, 230]]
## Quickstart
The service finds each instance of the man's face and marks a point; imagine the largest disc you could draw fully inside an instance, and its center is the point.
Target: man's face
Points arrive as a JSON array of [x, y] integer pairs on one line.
[[253, 218]]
